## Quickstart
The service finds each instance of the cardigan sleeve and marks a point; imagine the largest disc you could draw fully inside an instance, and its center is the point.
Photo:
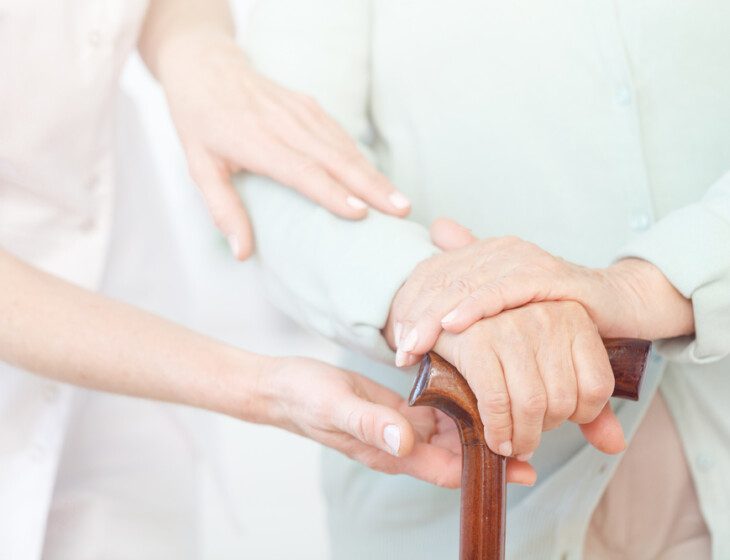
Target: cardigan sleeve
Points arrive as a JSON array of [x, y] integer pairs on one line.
[[691, 246], [335, 276]]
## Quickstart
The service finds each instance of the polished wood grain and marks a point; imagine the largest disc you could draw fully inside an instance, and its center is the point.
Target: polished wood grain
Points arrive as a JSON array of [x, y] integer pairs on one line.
[[483, 488]]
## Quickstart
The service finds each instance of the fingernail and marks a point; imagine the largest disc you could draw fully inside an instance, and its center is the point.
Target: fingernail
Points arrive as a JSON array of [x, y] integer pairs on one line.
[[409, 343], [397, 332], [505, 449], [400, 358], [399, 200], [234, 245], [391, 435], [450, 316], [356, 203], [525, 457]]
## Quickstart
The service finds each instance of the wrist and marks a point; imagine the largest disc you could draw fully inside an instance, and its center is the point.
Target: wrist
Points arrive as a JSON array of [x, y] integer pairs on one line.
[[240, 386], [657, 310], [188, 49]]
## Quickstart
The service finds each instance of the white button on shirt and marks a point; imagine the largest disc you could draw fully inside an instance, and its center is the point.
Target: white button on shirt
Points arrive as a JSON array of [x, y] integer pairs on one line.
[[60, 63]]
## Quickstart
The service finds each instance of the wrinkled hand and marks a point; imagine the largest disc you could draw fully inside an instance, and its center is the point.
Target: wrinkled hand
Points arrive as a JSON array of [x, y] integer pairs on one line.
[[533, 368], [369, 423], [230, 118], [475, 279]]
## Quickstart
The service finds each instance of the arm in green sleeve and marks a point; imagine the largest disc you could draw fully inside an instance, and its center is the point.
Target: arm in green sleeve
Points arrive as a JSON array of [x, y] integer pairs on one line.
[[335, 276]]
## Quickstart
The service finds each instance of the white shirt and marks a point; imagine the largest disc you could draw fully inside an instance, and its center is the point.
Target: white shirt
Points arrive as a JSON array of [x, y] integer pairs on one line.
[[593, 129], [59, 66]]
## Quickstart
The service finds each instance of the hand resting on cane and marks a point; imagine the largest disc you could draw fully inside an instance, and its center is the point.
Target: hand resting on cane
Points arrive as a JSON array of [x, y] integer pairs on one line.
[[531, 368], [475, 279]]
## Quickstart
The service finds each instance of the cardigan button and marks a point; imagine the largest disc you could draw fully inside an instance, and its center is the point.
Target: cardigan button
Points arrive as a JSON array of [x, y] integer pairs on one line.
[[623, 96], [640, 221]]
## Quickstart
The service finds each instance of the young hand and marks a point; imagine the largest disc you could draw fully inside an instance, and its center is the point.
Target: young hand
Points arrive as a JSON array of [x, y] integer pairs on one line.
[[368, 422], [230, 118]]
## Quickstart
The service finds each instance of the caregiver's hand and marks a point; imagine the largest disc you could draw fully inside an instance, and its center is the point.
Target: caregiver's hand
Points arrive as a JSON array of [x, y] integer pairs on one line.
[[230, 118], [475, 278], [367, 422], [65, 333], [533, 368]]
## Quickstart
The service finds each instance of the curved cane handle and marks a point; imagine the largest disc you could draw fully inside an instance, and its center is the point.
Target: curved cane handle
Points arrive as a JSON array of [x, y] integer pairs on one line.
[[483, 488]]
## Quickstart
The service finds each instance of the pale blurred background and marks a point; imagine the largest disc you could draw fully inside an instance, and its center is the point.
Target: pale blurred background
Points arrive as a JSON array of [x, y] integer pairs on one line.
[[261, 498]]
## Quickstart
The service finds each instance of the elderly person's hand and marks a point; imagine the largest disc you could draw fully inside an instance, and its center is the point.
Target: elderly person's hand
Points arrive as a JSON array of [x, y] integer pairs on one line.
[[367, 422], [230, 118], [533, 368], [525, 329], [475, 279]]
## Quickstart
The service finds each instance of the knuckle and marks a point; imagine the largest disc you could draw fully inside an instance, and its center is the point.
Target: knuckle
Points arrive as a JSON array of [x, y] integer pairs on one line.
[[578, 313], [358, 424], [561, 406], [544, 314], [461, 286], [429, 314], [492, 290], [475, 341], [350, 157], [527, 444], [596, 395], [304, 168], [550, 262], [534, 406], [496, 403]]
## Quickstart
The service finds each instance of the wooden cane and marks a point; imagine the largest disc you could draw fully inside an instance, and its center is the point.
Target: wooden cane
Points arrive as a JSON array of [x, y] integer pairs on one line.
[[483, 488]]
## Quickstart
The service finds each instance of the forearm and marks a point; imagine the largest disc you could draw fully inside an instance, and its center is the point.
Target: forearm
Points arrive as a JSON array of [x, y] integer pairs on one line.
[[169, 20], [336, 276], [60, 331]]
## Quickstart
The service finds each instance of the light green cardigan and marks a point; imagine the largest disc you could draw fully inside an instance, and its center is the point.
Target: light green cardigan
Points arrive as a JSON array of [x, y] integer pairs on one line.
[[591, 128]]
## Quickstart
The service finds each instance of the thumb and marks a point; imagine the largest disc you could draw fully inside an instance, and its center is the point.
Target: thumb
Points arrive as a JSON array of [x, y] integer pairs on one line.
[[605, 432], [376, 425], [448, 234]]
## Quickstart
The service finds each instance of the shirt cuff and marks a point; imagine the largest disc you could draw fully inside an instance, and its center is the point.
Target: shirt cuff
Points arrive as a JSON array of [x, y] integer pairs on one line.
[[691, 246]]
